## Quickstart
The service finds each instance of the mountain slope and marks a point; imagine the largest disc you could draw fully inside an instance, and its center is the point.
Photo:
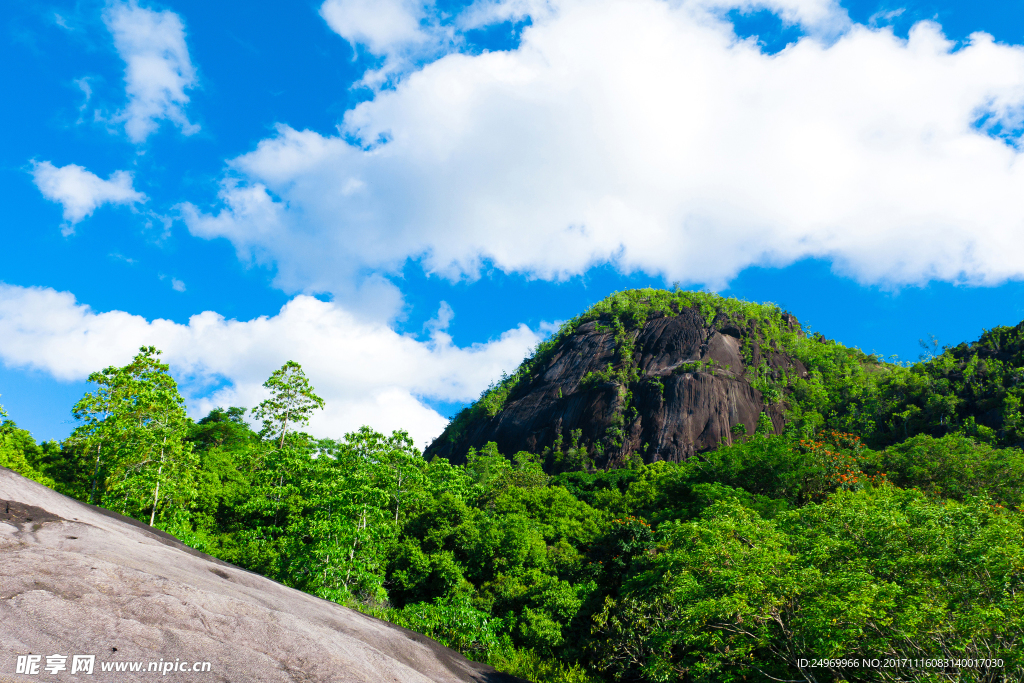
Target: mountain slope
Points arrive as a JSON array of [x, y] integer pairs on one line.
[[655, 375], [645, 374], [77, 579]]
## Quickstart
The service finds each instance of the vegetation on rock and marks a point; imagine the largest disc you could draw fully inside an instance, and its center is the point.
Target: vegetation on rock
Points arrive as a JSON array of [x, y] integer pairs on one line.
[[974, 389], [883, 522]]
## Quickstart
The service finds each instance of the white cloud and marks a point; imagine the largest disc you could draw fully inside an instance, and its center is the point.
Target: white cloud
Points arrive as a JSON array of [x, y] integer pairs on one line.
[[177, 285], [489, 12], [83, 85], [81, 192], [158, 69], [383, 26], [814, 15], [645, 134], [401, 31], [817, 16], [366, 372]]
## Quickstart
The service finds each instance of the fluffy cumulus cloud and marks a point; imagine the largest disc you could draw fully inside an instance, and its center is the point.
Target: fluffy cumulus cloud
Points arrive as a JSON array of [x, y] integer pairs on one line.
[[158, 70], [81, 192], [818, 16], [366, 372], [383, 26], [823, 17], [401, 32], [646, 134]]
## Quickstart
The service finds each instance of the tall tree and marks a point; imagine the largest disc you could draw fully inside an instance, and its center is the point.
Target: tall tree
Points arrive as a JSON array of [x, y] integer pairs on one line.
[[96, 425], [291, 402], [135, 422], [281, 466]]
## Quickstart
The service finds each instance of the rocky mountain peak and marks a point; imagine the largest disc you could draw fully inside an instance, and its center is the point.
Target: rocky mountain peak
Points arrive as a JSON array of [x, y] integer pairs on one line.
[[645, 374]]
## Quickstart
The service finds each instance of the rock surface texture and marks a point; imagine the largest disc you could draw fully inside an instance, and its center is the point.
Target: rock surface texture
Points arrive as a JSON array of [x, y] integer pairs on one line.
[[689, 390], [75, 579]]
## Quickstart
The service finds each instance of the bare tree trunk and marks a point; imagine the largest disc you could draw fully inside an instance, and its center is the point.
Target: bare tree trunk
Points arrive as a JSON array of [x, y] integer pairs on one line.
[[398, 495], [284, 430], [156, 493], [156, 497], [95, 473]]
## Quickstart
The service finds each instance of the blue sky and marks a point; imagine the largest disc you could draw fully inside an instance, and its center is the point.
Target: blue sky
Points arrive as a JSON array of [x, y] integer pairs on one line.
[[406, 196]]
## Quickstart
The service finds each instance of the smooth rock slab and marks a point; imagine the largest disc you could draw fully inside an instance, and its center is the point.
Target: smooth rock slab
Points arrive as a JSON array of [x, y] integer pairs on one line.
[[76, 579]]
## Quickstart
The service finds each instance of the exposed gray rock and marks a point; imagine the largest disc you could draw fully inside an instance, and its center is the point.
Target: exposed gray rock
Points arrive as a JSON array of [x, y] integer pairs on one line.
[[692, 389], [75, 579]]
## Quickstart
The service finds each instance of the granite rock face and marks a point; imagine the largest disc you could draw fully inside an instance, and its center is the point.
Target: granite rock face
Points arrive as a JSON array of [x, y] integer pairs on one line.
[[75, 579], [692, 387]]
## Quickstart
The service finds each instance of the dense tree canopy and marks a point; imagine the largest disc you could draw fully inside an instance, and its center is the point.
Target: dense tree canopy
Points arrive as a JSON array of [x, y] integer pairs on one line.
[[868, 531]]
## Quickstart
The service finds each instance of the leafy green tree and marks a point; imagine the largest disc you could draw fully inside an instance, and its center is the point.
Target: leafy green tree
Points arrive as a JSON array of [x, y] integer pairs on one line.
[[225, 446], [17, 449], [136, 425], [291, 403], [731, 566], [96, 429], [870, 573], [903, 574], [706, 605], [954, 466], [280, 465], [400, 472], [343, 506]]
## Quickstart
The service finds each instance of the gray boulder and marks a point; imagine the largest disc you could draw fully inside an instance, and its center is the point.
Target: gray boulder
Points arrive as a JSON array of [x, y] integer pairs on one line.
[[80, 580]]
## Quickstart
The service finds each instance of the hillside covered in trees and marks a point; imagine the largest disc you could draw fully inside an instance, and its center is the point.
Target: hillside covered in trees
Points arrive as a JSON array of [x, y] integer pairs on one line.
[[859, 520], [657, 375]]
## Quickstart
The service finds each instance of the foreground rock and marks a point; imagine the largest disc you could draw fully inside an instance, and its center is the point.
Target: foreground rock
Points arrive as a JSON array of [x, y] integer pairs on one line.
[[692, 391], [78, 580]]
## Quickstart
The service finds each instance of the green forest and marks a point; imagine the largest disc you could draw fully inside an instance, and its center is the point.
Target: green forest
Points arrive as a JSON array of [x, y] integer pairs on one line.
[[879, 538]]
